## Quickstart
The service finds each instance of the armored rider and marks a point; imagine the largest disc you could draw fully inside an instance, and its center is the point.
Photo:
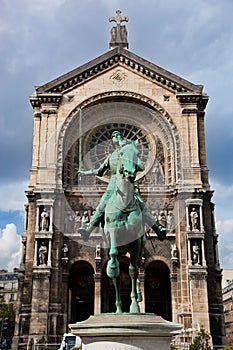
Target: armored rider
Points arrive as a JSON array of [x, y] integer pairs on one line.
[[111, 163]]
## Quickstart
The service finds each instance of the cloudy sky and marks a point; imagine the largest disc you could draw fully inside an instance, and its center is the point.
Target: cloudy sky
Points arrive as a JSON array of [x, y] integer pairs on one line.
[[41, 40]]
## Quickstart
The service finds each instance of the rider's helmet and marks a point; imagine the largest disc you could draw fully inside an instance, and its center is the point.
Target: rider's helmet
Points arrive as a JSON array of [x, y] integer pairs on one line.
[[115, 133]]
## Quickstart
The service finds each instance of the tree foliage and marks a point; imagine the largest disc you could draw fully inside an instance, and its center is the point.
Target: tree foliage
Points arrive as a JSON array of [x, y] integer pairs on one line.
[[7, 311], [201, 341], [173, 346]]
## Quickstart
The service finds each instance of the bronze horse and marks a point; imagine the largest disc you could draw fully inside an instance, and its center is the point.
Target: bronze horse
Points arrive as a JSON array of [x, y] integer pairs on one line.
[[124, 226]]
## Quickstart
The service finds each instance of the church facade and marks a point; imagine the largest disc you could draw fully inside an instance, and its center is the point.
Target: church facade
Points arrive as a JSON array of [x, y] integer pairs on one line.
[[62, 278]]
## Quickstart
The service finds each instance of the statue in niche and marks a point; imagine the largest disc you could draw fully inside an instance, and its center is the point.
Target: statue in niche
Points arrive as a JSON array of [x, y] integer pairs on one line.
[[157, 173], [69, 221], [196, 254], [64, 256], [98, 251], [77, 221], [85, 218], [174, 252], [65, 251], [194, 219], [42, 254], [170, 221], [44, 220], [162, 219]]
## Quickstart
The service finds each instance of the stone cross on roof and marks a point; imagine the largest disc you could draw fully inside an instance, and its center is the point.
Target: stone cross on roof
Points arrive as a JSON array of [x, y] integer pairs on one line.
[[118, 18], [118, 33]]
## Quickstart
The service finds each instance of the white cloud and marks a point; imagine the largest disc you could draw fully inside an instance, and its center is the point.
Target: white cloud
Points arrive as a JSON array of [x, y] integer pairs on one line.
[[223, 199], [226, 227], [10, 247], [12, 196]]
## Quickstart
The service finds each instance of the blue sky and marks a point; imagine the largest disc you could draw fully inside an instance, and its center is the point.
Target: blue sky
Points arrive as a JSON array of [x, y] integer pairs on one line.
[[41, 40]]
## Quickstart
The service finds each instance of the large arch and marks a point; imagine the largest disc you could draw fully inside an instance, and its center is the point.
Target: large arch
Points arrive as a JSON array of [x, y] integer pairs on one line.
[[141, 112], [158, 289], [81, 291], [108, 296]]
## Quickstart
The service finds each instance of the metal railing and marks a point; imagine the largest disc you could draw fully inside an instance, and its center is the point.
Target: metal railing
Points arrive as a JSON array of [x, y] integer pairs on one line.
[[52, 346], [182, 346]]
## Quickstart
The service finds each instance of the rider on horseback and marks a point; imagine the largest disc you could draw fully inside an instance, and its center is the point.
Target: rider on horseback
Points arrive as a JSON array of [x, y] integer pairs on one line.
[[111, 163]]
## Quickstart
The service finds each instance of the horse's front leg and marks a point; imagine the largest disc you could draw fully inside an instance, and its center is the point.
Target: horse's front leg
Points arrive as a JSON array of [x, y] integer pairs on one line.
[[133, 272], [117, 284], [113, 266]]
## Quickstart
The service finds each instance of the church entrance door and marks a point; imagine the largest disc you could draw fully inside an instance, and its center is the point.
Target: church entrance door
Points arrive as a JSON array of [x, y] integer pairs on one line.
[[82, 291], [158, 290], [108, 296]]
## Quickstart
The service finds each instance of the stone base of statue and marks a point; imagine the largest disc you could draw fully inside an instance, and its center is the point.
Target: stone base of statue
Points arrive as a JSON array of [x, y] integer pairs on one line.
[[126, 332]]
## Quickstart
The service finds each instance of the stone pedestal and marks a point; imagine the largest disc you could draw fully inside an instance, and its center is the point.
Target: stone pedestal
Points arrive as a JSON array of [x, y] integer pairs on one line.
[[126, 332]]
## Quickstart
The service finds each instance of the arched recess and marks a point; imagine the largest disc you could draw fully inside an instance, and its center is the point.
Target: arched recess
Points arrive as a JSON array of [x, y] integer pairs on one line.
[[81, 287], [108, 296], [158, 289], [119, 107]]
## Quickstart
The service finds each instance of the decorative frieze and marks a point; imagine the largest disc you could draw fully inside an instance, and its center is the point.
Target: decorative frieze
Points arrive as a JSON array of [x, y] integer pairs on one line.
[[197, 274], [198, 99], [52, 99], [119, 57], [41, 274]]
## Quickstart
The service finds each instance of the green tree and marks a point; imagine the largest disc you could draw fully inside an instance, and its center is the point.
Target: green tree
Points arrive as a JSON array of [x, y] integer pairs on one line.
[[173, 346], [201, 341], [7, 311]]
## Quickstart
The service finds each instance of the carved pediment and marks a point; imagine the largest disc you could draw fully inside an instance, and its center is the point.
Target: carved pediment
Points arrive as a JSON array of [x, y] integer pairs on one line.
[[119, 57]]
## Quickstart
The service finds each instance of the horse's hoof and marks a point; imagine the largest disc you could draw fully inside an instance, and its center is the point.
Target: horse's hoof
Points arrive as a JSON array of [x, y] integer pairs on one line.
[[113, 269], [118, 311], [134, 309], [113, 273]]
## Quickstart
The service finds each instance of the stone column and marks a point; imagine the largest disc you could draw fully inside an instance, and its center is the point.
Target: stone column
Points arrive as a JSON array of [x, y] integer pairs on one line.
[[35, 253], [23, 251], [40, 302], [51, 219], [189, 252], [25, 222], [37, 218], [194, 144], [174, 296], [97, 301], [199, 297], [187, 218], [43, 137], [49, 254], [203, 253], [201, 218], [35, 148]]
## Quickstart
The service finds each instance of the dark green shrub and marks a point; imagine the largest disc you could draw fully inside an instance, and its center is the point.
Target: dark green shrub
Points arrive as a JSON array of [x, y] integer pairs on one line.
[[201, 341]]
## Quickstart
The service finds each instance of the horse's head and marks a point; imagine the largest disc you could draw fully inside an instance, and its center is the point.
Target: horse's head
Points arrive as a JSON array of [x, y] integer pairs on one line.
[[129, 161]]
